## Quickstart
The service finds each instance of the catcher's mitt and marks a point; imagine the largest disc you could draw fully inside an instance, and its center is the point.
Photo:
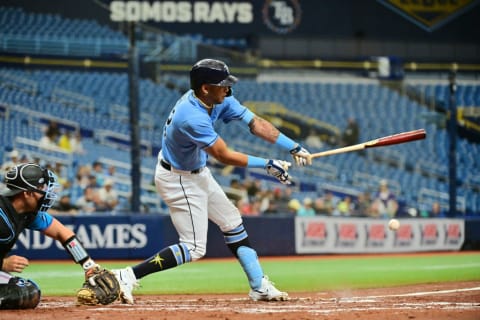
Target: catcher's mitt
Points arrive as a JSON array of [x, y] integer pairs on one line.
[[100, 288]]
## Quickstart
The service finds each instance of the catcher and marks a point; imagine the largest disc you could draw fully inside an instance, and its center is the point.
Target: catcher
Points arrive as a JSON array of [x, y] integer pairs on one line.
[[24, 205]]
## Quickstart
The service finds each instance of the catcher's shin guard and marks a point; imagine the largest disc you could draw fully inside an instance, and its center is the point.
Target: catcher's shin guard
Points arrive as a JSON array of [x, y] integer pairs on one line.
[[19, 293]]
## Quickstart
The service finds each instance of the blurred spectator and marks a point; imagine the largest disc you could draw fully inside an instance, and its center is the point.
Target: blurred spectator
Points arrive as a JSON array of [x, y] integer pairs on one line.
[[50, 136], [276, 201], [47, 142], [88, 203], [282, 197], [64, 141], [25, 159], [326, 205], [76, 143], [266, 201], [385, 203], [112, 170], [249, 208], [82, 177], [317, 205], [240, 190], [306, 210], [64, 205], [61, 171], [313, 139], [363, 206], [13, 161], [108, 196], [345, 207], [52, 131], [351, 133], [98, 172], [72, 189], [92, 182], [435, 211], [293, 206], [254, 187]]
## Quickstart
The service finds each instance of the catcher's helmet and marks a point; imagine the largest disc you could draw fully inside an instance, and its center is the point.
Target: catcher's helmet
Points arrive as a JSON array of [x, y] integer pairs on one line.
[[211, 71], [32, 177]]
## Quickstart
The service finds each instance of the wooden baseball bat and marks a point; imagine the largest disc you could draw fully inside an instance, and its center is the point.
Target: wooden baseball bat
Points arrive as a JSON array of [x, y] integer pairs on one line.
[[398, 138]]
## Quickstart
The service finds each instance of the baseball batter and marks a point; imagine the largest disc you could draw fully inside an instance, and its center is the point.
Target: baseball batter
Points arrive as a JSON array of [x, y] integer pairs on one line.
[[189, 189]]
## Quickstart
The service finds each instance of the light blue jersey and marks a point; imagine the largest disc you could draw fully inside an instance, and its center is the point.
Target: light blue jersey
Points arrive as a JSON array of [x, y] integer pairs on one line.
[[189, 129]]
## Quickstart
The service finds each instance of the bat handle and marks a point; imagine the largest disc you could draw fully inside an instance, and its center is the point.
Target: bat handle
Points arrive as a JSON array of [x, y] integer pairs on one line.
[[309, 159]]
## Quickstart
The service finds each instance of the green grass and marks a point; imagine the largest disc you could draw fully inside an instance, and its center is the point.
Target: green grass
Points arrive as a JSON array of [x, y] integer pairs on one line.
[[315, 274]]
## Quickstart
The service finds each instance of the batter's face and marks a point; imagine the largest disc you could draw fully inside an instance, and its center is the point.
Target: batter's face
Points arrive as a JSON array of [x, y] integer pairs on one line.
[[216, 94]]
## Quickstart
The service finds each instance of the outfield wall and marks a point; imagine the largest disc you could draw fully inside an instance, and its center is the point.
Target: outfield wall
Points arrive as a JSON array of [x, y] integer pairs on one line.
[[140, 236]]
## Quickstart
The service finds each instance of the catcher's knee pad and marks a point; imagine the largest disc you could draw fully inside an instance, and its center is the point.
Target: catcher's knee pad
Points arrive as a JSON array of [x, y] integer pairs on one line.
[[19, 293]]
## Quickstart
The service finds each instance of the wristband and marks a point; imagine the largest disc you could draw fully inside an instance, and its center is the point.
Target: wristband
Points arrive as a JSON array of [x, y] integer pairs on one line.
[[76, 250], [87, 265], [256, 162], [285, 142]]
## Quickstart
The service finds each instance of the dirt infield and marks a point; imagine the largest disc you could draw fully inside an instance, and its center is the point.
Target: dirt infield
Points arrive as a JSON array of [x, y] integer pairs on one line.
[[454, 300]]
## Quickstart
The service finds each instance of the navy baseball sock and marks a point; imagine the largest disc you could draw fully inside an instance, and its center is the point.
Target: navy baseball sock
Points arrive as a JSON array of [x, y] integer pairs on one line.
[[167, 258], [249, 261], [237, 241]]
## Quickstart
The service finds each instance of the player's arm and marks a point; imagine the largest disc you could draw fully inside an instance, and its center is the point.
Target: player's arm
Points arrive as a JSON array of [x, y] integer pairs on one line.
[[101, 285], [220, 151], [267, 131], [275, 168], [56, 230]]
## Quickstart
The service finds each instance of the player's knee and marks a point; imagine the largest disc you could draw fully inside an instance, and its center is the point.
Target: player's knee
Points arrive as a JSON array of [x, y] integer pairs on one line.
[[19, 293]]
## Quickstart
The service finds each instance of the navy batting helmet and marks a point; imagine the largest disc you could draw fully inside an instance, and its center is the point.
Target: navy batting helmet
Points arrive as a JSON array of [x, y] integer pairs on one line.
[[211, 71]]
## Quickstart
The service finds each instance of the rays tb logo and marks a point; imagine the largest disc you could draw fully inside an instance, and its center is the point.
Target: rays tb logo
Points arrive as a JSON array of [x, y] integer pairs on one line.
[[282, 16]]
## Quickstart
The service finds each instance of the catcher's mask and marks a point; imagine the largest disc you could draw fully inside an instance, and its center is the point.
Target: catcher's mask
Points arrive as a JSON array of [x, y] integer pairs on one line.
[[32, 177], [213, 72]]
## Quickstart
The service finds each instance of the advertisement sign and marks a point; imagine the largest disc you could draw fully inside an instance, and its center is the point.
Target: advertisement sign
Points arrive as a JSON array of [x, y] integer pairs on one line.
[[140, 236], [103, 237], [314, 235]]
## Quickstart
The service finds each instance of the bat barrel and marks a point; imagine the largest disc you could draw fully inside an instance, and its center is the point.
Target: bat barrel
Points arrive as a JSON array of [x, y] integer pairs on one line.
[[399, 138], [385, 141]]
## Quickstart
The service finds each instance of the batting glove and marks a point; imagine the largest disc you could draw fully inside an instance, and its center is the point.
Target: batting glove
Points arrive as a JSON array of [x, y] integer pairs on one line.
[[301, 156], [279, 170]]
